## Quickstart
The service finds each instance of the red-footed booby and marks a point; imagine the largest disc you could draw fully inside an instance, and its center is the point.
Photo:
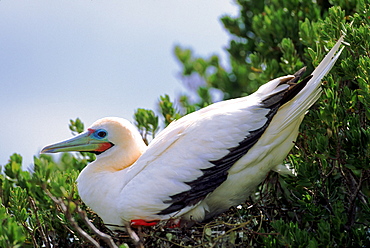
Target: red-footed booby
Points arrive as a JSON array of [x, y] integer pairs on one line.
[[201, 164]]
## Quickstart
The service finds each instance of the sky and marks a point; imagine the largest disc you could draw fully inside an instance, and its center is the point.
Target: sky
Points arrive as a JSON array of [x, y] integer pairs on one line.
[[60, 60]]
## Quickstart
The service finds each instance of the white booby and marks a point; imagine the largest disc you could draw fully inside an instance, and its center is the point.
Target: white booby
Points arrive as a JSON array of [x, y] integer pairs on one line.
[[201, 164]]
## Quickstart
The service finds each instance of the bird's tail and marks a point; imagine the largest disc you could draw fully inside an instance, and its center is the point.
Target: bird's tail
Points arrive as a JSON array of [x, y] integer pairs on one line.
[[297, 107]]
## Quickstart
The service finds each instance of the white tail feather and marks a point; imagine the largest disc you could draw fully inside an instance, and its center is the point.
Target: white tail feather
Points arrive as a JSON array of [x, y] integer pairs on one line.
[[297, 107]]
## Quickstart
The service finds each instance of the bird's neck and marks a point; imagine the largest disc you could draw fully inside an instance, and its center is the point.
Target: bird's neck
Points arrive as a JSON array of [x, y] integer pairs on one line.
[[117, 158]]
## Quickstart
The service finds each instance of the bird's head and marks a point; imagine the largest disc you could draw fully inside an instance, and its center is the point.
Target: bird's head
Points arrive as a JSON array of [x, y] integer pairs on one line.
[[111, 137]]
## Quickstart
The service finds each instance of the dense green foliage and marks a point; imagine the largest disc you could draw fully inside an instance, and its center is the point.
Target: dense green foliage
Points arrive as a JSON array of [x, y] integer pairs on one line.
[[326, 205]]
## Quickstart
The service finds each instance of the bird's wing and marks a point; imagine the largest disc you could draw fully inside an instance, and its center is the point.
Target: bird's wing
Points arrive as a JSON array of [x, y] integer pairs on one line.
[[192, 156]]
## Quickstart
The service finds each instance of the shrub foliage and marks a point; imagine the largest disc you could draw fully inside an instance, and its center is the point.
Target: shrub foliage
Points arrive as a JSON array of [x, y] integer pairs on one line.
[[325, 205]]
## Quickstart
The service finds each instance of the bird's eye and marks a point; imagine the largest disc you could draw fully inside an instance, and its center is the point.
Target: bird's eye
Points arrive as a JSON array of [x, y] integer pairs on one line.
[[101, 133]]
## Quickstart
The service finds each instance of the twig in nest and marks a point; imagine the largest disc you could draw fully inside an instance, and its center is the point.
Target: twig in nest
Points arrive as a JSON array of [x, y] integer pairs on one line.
[[105, 237], [133, 235]]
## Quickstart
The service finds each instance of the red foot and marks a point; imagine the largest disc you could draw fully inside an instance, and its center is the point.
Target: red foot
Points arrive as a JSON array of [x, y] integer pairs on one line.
[[141, 222]]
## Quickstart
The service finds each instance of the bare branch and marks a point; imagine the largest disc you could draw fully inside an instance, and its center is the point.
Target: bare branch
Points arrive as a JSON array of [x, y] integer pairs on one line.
[[105, 237], [134, 237], [35, 209], [71, 220]]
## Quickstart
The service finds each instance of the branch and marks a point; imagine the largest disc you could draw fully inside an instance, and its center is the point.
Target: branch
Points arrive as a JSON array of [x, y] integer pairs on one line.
[[71, 220], [134, 237], [105, 237], [43, 235]]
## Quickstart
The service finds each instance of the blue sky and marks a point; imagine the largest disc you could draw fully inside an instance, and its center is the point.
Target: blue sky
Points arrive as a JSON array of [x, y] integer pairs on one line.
[[60, 60]]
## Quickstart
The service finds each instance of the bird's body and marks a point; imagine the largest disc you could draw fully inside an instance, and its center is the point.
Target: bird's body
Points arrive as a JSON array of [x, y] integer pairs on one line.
[[201, 164]]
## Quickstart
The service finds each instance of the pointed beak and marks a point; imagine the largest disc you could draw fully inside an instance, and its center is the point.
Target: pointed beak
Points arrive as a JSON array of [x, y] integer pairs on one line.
[[85, 142]]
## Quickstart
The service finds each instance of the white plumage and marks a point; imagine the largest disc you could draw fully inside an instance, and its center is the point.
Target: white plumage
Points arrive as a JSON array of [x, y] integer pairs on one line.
[[201, 164]]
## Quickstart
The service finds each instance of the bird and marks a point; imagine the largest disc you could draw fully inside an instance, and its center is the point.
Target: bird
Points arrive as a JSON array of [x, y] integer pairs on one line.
[[201, 164]]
